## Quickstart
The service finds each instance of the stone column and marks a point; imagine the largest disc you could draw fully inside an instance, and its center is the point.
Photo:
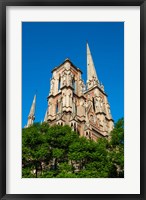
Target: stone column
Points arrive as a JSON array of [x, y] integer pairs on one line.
[[67, 100], [64, 79], [70, 100], [64, 100], [74, 106], [52, 86], [96, 100]]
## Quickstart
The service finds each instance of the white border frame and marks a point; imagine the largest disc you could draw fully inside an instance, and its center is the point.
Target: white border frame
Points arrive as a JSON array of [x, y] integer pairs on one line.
[[131, 183]]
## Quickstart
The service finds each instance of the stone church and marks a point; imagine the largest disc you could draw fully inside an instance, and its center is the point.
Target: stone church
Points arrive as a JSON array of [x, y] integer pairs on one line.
[[84, 107]]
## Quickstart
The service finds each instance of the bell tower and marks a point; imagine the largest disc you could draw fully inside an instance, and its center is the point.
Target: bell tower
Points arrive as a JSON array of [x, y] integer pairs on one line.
[[99, 120], [83, 107], [66, 98]]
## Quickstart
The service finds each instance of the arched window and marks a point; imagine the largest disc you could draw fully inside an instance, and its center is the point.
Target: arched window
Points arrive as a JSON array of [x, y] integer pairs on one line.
[[93, 101], [74, 84], [57, 107]]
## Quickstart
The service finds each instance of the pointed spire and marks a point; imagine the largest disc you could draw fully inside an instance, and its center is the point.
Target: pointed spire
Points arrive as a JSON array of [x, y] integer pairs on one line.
[[31, 116], [32, 110], [46, 115], [91, 72]]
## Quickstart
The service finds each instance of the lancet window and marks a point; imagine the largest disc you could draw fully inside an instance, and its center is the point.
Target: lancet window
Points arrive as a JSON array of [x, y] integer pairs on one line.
[[57, 107], [74, 84]]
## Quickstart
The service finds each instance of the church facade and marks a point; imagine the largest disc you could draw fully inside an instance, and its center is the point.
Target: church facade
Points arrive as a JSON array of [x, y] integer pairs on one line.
[[71, 102]]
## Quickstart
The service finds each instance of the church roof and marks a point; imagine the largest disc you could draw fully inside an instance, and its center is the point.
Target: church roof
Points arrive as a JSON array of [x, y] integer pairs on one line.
[[67, 60]]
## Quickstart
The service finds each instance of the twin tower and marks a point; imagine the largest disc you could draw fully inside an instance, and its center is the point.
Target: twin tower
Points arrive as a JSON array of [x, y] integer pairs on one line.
[[83, 107]]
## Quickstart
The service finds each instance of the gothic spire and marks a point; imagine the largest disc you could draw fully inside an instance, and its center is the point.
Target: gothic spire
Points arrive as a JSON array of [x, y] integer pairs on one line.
[[46, 115], [32, 110], [91, 72], [31, 116]]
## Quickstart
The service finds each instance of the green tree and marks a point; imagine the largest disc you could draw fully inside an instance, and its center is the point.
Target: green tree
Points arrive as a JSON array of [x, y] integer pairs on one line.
[[57, 151], [35, 149], [116, 149]]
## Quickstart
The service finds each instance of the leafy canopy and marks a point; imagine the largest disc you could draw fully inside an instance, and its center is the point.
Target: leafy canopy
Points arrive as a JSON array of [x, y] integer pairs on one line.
[[59, 152]]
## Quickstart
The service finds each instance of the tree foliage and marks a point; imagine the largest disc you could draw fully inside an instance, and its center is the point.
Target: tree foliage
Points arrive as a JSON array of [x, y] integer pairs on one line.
[[59, 152]]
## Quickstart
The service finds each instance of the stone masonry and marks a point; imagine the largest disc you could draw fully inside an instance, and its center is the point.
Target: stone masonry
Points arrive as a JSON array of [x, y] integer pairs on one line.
[[83, 107]]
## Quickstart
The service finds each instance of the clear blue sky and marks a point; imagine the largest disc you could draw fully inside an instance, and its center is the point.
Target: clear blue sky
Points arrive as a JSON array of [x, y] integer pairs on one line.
[[47, 45]]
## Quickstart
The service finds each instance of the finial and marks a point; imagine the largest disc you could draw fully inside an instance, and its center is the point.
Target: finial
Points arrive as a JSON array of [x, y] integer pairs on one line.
[[66, 59]]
